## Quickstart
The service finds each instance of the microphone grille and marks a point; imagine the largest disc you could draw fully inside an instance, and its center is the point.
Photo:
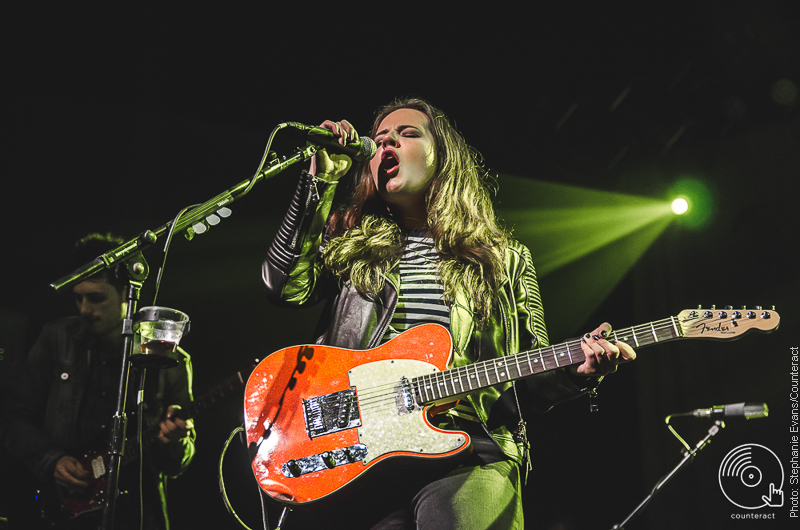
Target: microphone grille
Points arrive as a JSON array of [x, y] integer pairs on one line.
[[755, 410], [746, 410], [368, 149]]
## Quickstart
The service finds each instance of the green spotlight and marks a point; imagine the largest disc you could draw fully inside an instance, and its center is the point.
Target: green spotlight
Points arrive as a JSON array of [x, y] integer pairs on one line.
[[703, 201], [680, 206]]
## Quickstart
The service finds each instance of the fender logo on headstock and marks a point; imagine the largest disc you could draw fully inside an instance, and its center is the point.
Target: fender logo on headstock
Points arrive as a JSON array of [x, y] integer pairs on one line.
[[719, 328]]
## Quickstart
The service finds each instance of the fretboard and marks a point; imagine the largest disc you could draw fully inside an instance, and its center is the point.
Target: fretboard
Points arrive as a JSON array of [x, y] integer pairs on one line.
[[230, 386], [440, 386]]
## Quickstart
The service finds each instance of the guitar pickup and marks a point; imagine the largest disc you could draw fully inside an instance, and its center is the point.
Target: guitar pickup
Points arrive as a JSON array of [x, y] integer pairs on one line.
[[331, 413], [327, 460]]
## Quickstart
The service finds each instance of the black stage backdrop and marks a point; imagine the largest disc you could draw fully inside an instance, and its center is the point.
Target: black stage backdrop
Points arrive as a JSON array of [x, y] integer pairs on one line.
[[116, 120]]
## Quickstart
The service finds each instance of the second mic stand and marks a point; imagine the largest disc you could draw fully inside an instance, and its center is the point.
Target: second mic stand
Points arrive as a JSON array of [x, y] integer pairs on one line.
[[688, 456]]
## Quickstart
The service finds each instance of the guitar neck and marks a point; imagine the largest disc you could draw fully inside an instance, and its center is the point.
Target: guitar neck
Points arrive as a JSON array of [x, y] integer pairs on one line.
[[230, 386], [727, 324], [450, 384]]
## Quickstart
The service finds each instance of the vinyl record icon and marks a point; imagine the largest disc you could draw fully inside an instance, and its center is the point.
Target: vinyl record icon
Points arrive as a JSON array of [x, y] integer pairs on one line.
[[748, 474]]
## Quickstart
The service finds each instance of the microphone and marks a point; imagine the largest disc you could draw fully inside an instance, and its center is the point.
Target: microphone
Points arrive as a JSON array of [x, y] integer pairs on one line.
[[361, 150], [734, 410]]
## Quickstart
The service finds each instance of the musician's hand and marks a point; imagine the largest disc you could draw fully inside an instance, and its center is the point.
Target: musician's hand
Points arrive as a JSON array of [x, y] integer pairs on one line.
[[173, 428], [331, 167], [603, 354], [71, 474]]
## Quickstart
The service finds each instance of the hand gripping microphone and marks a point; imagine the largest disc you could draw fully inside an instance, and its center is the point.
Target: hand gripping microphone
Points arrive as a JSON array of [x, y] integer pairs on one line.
[[361, 150]]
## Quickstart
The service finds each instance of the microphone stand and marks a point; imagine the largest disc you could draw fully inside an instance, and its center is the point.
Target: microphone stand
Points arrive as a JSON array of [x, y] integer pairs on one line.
[[185, 223], [688, 456], [128, 259], [116, 443]]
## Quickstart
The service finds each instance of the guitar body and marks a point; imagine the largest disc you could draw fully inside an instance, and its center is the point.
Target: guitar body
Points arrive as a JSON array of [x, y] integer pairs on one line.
[[78, 503], [319, 417]]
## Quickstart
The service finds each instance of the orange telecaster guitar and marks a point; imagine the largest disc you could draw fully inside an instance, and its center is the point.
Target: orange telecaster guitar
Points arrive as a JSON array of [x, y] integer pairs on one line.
[[319, 417]]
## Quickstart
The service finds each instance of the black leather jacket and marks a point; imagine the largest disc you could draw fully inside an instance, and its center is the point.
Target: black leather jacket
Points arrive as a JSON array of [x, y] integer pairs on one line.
[[293, 274]]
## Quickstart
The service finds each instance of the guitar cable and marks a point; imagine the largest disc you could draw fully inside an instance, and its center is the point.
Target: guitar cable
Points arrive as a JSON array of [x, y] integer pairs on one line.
[[140, 411], [226, 500]]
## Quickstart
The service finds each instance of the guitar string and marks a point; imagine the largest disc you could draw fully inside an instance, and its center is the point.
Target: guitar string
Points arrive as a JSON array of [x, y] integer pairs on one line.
[[641, 334], [437, 382], [382, 394], [480, 369]]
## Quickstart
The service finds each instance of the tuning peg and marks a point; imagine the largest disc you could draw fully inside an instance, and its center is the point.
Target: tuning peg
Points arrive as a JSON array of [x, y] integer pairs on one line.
[[758, 308], [728, 307], [736, 315], [713, 307], [699, 307]]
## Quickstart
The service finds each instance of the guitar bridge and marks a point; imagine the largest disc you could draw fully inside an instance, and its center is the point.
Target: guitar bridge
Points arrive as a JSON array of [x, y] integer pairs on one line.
[[331, 413]]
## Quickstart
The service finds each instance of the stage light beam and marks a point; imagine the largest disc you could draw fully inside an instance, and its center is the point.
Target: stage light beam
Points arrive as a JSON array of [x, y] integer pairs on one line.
[[583, 241]]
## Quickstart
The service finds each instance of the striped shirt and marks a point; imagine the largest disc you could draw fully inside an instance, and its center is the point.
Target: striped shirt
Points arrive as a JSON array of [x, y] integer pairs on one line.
[[420, 299], [421, 296]]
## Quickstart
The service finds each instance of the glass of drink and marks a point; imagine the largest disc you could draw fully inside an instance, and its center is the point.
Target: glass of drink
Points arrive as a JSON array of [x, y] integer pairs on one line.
[[158, 331]]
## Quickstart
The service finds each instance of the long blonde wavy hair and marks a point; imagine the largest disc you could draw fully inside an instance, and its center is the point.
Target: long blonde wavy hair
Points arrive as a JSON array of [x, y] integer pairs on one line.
[[367, 243]]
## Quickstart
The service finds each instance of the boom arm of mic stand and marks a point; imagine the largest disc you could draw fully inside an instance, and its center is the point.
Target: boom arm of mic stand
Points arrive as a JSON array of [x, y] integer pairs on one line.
[[688, 456], [186, 221]]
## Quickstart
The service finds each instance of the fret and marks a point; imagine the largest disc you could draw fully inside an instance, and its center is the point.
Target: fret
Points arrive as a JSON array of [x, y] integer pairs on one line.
[[426, 387], [653, 330], [477, 375], [528, 357], [555, 357], [531, 355], [486, 369], [569, 352], [544, 362], [453, 381], [441, 385], [469, 382], [434, 386], [496, 373], [635, 338], [674, 327], [516, 362]]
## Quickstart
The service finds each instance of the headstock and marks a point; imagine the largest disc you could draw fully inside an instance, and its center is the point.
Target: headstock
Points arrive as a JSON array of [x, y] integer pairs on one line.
[[728, 323]]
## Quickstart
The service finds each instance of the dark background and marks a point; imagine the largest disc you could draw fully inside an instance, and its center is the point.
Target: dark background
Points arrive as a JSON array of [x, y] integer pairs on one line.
[[117, 120]]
